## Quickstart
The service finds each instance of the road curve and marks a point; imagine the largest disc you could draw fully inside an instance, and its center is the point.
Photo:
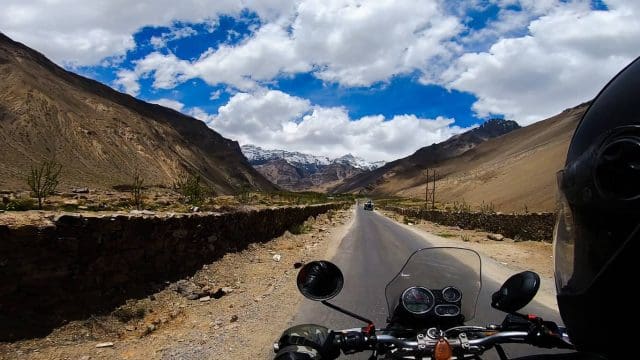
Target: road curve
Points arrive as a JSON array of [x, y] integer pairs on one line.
[[371, 254]]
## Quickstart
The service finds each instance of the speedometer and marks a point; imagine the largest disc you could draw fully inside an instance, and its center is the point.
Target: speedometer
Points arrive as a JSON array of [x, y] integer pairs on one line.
[[417, 300]]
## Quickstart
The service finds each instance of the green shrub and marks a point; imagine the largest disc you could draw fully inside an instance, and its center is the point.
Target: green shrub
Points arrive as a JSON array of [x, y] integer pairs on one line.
[[190, 187], [21, 205]]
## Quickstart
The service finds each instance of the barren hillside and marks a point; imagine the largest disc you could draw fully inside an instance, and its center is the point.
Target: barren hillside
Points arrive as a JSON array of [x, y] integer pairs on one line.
[[515, 172], [101, 136]]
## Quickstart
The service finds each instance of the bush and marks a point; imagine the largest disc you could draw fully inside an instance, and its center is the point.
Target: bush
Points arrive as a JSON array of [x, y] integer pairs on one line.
[[21, 205], [487, 208], [300, 228], [43, 179], [190, 187]]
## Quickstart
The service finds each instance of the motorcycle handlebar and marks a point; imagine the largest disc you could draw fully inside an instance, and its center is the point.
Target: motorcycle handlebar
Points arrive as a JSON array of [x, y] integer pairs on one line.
[[355, 340]]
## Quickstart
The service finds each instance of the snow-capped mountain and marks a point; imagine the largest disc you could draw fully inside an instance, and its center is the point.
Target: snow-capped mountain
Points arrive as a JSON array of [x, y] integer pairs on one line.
[[298, 171], [257, 156]]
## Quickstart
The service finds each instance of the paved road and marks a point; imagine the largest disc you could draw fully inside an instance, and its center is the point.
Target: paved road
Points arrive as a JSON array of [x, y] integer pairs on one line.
[[371, 254]]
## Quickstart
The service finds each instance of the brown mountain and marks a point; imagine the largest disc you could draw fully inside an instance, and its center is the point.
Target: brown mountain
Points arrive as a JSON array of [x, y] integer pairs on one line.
[[514, 172], [296, 178], [426, 157], [101, 136]]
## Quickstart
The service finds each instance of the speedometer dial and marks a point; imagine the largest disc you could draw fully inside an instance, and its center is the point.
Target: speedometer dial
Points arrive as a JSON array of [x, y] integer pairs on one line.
[[418, 300]]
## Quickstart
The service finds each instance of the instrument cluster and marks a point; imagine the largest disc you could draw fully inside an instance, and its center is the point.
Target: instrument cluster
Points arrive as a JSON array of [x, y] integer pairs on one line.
[[441, 302]]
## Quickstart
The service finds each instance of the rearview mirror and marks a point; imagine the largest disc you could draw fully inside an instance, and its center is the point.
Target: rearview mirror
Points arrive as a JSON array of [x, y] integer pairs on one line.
[[320, 280], [516, 292]]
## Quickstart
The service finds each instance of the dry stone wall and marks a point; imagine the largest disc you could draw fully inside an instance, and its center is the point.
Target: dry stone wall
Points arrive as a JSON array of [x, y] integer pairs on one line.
[[534, 226], [76, 266]]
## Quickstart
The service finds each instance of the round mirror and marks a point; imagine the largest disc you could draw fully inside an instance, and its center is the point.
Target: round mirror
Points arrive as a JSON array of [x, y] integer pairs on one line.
[[320, 280], [516, 292]]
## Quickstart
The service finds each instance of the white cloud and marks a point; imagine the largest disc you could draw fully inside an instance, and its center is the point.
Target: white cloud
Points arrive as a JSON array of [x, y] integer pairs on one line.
[[127, 81], [273, 119], [171, 104], [565, 59], [81, 32], [342, 41], [175, 33], [215, 95]]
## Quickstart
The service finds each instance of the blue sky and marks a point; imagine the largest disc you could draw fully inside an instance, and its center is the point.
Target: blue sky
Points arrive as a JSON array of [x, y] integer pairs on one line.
[[378, 79]]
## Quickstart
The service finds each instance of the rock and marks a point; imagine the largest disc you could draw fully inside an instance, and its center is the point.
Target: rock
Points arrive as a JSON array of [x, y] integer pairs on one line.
[[205, 298], [142, 212], [83, 207], [195, 209], [104, 344], [86, 357], [234, 318], [81, 190], [297, 265], [496, 237], [222, 292], [277, 257], [73, 202], [227, 290], [188, 289]]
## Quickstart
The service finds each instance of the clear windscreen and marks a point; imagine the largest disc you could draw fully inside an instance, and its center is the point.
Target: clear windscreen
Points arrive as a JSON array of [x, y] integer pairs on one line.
[[438, 268]]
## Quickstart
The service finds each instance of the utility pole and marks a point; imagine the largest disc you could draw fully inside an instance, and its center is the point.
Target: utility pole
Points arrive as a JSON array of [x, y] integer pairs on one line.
[[430, 193]]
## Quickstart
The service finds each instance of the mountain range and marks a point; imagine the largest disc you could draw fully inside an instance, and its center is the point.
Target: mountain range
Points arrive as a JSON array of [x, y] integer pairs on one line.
[[428, 156], [101, 137], [301, 172], [499, 164]]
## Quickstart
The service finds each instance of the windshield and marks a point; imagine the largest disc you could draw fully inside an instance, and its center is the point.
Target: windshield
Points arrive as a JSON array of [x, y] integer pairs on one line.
[[438, 268]]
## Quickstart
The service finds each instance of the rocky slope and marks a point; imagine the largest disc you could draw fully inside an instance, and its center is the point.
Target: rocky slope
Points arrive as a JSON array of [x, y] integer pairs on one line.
[[100, 136], [514, 172], [428, 156], [298, 171]]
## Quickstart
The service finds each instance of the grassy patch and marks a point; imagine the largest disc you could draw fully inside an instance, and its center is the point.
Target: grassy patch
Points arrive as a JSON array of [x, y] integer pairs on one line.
[[446, 235]]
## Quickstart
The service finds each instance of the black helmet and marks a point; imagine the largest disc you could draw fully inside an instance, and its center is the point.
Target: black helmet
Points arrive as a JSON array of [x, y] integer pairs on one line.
[[598, 227]]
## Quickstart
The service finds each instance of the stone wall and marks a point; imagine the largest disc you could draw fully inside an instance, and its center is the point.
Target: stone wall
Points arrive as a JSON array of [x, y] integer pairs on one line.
[[534, 226], [76, 266]]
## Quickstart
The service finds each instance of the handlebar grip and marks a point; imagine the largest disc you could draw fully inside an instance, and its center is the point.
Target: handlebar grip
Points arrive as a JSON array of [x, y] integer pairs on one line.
[[352, 342]]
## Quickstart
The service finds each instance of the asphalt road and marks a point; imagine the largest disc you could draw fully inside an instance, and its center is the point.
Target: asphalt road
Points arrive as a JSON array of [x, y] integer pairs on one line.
[[371, 254]]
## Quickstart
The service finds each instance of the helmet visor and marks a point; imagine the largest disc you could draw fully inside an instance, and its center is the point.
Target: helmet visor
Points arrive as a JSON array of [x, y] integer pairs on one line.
[[563, 239]]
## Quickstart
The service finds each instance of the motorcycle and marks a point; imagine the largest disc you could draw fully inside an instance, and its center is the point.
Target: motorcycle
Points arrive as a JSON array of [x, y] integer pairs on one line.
[[429, 301]]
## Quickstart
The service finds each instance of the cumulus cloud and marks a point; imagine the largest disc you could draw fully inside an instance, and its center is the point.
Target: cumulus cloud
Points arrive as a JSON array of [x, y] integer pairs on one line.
[[170, 103], [273, 119], [127, 81], [350, 43], [79, 32], [566, 57]]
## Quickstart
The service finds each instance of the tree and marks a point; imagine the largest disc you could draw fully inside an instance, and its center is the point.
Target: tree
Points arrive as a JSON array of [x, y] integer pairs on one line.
[[43, 179], [136, 190]]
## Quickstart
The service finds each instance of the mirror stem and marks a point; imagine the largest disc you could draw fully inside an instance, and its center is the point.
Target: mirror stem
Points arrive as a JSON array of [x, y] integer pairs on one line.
[[347, 312]]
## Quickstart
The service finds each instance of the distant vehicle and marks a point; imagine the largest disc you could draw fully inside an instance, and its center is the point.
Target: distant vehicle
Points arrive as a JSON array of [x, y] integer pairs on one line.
[[368, 205]]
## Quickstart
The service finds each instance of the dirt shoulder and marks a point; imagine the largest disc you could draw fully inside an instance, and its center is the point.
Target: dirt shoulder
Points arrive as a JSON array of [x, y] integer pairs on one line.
[[260, 297], [522, 255]]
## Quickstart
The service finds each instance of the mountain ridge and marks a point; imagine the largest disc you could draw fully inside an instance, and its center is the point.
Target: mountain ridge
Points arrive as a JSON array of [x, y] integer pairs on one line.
[[102, 136], [428, 155], [298, 171]]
